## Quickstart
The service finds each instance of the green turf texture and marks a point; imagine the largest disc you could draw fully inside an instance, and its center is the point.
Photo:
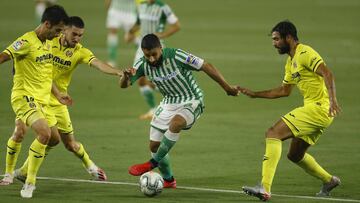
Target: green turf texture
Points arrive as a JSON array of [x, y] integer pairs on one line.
[[224, 149]]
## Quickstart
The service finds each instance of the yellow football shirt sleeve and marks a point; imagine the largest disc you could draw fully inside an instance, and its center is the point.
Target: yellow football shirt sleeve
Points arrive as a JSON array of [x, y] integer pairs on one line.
[[311, 59], [86, 56], [18, 48], [287, 76]]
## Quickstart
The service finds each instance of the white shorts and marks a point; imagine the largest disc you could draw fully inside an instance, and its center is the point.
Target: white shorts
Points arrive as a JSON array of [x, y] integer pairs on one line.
[[123, 20], [190, 111]]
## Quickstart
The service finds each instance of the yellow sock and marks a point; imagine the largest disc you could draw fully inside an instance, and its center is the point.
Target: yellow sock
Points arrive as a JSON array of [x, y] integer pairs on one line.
[[81, 153], [24, 167], [309, 164], [36, 157], [13, 149], [271, 159]]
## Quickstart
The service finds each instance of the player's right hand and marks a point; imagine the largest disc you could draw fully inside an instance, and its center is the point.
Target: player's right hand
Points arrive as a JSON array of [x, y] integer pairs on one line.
[[65, 99], [233, 91], [334, 109]]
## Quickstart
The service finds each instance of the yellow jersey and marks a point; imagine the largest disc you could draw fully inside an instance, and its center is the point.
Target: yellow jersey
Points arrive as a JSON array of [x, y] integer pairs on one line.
[[32, 67], [301, 70], [65, 61]]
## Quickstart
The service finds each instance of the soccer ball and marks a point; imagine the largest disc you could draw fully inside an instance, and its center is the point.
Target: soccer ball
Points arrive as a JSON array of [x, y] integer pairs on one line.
[[151, 183]]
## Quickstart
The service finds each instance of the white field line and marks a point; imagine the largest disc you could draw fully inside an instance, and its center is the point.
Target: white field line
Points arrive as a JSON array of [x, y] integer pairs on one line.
[[197, 189]]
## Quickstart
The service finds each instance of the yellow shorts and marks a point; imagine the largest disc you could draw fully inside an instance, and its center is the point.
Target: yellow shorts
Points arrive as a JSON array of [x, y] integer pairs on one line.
[[28, 110], [62, 116], [308, 122]]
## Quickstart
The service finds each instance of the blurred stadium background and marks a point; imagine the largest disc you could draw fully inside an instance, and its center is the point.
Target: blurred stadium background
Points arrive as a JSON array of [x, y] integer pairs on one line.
[[225, 148]]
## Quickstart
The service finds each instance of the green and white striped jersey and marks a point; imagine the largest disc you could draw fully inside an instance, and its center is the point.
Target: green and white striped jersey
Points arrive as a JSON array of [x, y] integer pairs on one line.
[[173, 77], [153, 17], [127, 6]]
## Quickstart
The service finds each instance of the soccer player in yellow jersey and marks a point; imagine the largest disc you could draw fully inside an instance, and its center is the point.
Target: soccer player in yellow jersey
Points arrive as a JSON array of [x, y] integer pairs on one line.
[[68, 53], [304, 125], [30, 95]]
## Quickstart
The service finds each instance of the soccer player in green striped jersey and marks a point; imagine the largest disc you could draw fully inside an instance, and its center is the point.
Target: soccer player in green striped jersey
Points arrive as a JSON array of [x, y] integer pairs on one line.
[[121, 14], [182, 104], [306, 69], [153, 15]]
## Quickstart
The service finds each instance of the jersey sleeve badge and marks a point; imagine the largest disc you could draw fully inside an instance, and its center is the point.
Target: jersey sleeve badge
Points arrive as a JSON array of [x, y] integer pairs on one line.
[[17, 45]]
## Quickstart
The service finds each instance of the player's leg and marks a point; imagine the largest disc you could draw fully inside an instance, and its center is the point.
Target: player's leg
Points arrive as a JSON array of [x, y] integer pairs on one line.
[[168, 141], [164, 164], [112, 23], [21, 173], [13, 150], [36, 155], [79, 151], [147, 91], [297, 154], [274, 137], [112, 44], [172, 119]]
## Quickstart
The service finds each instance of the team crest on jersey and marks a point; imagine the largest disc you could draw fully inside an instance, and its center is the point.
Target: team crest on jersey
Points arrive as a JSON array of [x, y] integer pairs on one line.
[[192, 60], [18, 44], [68, 53], [32, 105]]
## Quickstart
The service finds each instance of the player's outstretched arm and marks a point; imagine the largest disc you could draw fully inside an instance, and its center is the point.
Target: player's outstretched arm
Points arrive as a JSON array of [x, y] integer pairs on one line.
[[213, 73], [4, 57], [170, 30], [105, 68], [329, 80], [282, 91]]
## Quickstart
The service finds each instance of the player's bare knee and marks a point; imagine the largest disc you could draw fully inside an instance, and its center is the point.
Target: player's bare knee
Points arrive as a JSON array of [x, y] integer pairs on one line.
[[44, 134], [177, 124], [19, 134], [270, 133]]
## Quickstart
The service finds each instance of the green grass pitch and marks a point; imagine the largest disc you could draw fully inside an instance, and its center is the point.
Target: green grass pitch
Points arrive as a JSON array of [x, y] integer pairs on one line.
[[224, 149]]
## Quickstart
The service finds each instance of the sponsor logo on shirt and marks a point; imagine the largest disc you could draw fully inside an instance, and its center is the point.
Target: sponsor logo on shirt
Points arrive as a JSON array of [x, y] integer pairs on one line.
[[44, 57], [166, 77], [192, 60], [17, 45], [61, 63]]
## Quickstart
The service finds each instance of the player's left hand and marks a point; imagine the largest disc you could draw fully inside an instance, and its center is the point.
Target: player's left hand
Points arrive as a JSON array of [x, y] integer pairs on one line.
[[334, 109]]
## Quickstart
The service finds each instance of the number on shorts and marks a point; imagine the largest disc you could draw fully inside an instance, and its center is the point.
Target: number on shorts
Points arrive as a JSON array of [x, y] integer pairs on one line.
[[30, 100], [158, 111]]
